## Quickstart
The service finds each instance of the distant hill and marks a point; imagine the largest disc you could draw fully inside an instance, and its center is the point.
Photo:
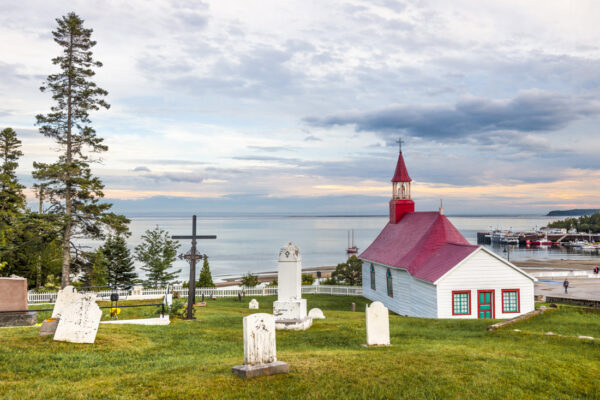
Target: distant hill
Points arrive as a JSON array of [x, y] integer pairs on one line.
[[574, 212]]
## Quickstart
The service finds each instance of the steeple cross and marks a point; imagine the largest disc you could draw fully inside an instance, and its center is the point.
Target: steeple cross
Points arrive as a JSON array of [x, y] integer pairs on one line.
[[400, 143], [192, 256]]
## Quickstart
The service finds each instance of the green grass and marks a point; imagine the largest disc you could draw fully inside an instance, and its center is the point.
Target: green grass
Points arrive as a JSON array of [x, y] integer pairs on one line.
[[567, 321], [428, 359]]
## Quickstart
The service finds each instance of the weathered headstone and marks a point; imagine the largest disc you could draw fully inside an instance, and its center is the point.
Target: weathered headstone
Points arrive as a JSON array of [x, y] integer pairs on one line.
[[168, 300], [290, 308], [65, 297], [260, 350], [253, 304], [316, 313], [378, 324], [79, 320], [13, 297]]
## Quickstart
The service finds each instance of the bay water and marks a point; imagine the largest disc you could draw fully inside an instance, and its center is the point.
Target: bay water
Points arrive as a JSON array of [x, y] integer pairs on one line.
[[251, 243]]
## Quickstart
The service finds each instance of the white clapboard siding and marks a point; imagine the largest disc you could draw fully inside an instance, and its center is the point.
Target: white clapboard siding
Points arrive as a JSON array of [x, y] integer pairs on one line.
[[411, 297], [484, 271]]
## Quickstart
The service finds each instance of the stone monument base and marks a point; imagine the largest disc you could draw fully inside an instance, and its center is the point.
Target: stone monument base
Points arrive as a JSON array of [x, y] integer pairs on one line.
[[18, 318], [289, 309], [253, 371], [49, 327], [293, 324]]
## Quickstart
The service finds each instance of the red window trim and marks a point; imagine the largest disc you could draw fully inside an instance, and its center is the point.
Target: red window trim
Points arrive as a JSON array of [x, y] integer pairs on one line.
[[461, 291], [493, 301], [518, 301]]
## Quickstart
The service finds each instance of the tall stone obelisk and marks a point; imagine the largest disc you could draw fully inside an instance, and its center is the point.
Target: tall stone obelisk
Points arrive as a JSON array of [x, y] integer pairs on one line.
[[290, 308]]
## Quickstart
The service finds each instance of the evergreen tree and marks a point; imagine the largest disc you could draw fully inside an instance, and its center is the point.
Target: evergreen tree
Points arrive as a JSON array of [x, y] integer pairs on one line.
[[205, 279], [95, 269], [117, 259], [157, 252], [12, 200], [70, 187]]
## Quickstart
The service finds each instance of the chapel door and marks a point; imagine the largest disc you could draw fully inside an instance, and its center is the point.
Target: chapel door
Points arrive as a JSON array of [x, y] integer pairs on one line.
[[485, 304]]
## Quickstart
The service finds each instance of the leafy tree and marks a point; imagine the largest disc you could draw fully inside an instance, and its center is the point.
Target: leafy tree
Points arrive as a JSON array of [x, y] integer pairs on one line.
[[205, 279], [307, 279], [249, 280], [12, 200], [582, 224], [157, 252], [70, 187], [349, 272], [118, 262]]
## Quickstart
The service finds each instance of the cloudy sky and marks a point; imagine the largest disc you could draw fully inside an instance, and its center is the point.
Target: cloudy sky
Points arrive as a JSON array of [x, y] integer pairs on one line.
[[294, 106]]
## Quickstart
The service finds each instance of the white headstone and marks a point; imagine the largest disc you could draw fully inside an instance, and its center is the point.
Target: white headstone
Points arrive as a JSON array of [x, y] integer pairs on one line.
[[65, 297], [378, 324], [253, 304], [168, 299], [259, 339], [316, 313], [289, 273], [79, 320]]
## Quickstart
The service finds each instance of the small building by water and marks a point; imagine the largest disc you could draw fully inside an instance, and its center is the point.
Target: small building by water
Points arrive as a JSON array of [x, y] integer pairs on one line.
[[420, 265]]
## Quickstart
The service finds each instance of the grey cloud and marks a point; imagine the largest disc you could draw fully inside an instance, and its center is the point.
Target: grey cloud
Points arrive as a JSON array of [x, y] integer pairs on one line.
[[270, 148], [141, 169], [312, 138], [5, 112], [176, 177], [269, 158], [530, 111], [168, 162]]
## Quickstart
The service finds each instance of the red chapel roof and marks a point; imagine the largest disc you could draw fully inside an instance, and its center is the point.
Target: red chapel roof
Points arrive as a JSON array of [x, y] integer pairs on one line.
[[401, 173], [426, 244]]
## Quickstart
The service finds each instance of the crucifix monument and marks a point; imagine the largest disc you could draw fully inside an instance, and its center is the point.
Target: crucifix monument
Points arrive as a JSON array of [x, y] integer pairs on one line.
[[192, 256]]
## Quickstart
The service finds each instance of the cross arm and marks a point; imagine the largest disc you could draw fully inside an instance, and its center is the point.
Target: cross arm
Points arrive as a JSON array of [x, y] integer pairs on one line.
[[195, 237]]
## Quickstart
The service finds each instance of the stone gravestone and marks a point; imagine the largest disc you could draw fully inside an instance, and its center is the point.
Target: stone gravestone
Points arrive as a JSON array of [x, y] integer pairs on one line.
[[79, 320], [378, 324], [260, 353], [316, 313], [290, 308], [13, 297], [65, 297], [253, 304]]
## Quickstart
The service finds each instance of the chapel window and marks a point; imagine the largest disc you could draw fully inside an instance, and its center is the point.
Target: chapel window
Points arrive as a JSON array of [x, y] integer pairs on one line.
[[372, 277], [510, 301], [461, 303], [390, 287]]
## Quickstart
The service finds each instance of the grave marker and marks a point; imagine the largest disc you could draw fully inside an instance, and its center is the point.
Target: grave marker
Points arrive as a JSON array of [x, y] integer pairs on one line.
[[290, 308], [260, 350], [378, 324], [79, 320], [253, 304]]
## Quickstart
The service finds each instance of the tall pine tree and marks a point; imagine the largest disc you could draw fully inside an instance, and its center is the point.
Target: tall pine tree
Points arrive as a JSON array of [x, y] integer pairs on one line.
[[116, 258], [157, 252], [12, 200], [70, 187]]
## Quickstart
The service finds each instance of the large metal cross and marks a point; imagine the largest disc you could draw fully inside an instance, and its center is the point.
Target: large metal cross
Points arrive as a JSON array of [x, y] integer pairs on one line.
[[192, 256], [400, 143]]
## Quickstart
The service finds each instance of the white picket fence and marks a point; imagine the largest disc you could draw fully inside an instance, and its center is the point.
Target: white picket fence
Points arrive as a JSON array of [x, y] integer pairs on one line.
[[208, 292]]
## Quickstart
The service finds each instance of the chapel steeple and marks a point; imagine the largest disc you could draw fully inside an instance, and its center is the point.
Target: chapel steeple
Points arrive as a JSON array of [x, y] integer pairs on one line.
[[401, 202]]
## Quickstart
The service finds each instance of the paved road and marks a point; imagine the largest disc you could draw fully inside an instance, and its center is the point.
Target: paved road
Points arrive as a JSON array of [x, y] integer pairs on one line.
[[578, 288]]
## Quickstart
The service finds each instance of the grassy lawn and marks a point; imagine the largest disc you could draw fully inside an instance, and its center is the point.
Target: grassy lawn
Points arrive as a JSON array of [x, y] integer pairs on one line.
[[430, 359], [567, 321]]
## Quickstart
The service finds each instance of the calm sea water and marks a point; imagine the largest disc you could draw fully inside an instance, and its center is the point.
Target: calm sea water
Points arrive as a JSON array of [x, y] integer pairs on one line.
[[251, 244]]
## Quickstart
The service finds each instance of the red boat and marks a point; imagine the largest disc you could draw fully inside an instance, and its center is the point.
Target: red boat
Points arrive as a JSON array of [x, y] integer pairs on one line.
[[351, 249]]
